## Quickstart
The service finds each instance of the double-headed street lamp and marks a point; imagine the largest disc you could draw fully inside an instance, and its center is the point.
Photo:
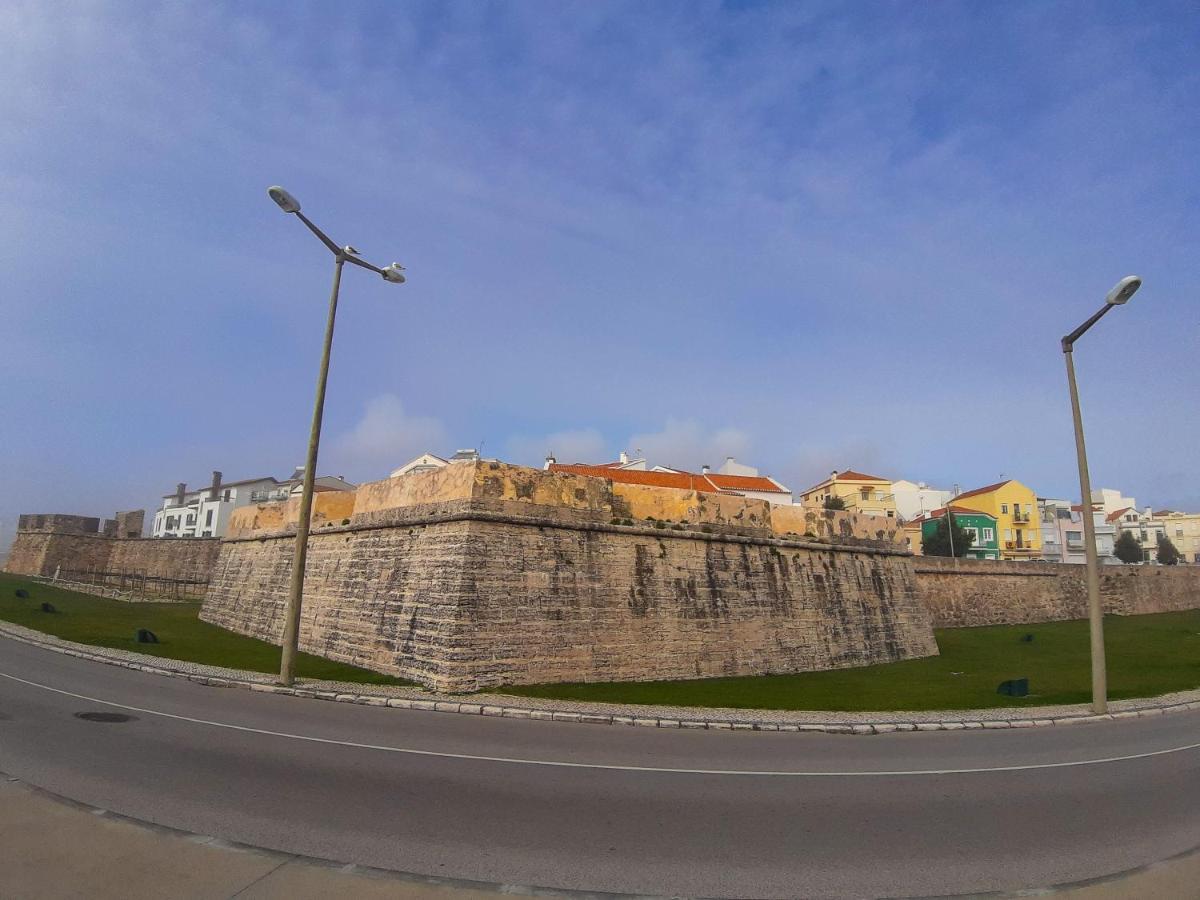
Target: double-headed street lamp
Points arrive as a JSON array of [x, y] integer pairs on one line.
[[1125, 288], [393, 273]]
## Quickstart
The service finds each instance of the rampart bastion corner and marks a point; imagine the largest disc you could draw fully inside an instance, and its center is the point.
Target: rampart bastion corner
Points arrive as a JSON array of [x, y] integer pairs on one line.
[[481, 574]]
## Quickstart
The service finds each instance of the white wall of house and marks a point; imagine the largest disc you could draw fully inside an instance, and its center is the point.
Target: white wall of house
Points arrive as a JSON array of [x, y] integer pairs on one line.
[[917, 498]]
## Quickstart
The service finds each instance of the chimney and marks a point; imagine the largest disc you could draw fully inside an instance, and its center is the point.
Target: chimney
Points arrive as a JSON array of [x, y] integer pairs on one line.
[[215, 490], [550, 460], [624, 457], [833, 475], [180, 490], [704, 470]]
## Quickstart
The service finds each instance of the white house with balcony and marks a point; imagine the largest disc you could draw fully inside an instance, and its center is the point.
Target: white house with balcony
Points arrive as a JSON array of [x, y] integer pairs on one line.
[[205, 513]]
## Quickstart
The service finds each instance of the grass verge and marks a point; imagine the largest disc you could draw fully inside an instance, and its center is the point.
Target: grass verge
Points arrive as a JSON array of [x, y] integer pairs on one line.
[[110, 623], [1147, 656]]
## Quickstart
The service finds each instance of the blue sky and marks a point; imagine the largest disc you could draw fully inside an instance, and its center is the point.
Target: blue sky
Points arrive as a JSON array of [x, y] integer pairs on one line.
[[812, 236]]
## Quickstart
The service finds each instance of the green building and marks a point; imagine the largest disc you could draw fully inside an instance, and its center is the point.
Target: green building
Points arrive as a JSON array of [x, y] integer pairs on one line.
[[981, 524]]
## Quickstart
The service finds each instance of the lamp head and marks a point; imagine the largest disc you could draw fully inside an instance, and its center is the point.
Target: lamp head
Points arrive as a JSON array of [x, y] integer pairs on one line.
[[1124, 289], [286, 201], [394, 273]]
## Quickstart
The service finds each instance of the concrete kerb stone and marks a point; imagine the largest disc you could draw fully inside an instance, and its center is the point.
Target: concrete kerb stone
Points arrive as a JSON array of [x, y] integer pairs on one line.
[[259, 683]]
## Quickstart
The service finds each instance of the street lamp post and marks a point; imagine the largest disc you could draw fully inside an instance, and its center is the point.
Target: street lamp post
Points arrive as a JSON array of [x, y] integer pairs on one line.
[[1124, 289], [393, 273]]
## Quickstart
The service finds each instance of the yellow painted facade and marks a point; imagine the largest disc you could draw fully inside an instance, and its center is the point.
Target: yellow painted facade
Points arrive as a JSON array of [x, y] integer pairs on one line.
[[1017, 521], [1183, 529], [859, 492]]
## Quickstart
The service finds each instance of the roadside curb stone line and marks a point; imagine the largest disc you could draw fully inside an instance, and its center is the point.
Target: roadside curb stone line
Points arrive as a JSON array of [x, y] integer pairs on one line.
[[584, 713]]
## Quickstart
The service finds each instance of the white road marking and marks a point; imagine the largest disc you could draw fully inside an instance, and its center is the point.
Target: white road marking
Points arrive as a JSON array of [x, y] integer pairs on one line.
[[607, 767]]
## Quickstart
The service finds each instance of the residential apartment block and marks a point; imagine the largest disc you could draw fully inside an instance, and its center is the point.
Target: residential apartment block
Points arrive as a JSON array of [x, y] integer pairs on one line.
[[1015, 509], [732, 478], [205, 513], [980, 525], [1183, 530], [1063, 532], [859, 492]]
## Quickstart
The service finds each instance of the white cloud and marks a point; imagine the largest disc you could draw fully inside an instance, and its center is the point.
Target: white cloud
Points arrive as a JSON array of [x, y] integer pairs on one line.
[[584, 445], [686, 444], [386, 437]]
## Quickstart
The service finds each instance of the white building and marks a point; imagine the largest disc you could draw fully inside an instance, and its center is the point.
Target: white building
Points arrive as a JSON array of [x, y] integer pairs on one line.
[[205, 513], [1063, 534], [1142, 525], [1112, 500], [427, 461], [915, 499]]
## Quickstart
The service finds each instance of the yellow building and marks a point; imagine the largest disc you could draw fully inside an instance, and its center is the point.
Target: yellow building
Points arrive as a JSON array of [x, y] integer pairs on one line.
[[866, 494], [1183, 529], [1015, 509]]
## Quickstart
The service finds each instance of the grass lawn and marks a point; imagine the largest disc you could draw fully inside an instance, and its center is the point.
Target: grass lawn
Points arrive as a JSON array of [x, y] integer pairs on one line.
[[1147, 655], [110, 623]]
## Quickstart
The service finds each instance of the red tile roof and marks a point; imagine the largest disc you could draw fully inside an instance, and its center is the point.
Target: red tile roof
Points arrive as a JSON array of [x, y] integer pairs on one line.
[[745, 483], [984, 490], [688, 481], [851, 475], [681, 480], [1114, 516], [938, 513]]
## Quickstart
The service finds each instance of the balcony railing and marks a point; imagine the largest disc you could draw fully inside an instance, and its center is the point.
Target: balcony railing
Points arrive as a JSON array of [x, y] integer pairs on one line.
[[1019, 516]]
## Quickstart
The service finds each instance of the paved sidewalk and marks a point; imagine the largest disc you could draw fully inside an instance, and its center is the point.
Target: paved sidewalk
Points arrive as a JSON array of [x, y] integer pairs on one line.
[[57, 849]]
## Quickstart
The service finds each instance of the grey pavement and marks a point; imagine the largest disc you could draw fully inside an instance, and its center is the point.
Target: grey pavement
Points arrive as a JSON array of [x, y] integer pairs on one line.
[[641, 811]]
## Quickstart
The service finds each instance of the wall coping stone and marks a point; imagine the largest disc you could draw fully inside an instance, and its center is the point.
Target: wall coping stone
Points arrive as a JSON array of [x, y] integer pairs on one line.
[[717, 719]]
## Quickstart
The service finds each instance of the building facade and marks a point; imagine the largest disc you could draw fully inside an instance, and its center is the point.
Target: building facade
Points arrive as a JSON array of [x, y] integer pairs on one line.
[[915, 498], [859, 492], [1015, 508], [205, 513], [1183, 530], [1063, 538], [980, 525], [1142, 525]]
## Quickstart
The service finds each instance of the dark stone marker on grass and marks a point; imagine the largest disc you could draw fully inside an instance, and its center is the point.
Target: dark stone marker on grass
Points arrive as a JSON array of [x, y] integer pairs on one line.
[[1014, 687], [21, 594], [1027, 638], [48, 607], [146, 636]]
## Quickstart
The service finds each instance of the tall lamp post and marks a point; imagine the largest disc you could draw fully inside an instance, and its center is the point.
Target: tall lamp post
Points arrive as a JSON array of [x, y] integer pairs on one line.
[[1124, 289], [393, 273]]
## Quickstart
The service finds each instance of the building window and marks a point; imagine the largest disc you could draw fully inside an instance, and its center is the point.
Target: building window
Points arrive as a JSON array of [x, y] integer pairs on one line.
[[208, 518], [227, 494], [1008, 534], [988, 535], [865, 493], [1004, 509]]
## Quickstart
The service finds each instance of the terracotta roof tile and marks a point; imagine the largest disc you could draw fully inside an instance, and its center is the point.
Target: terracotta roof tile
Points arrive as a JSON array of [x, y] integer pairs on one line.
[[984, 490], [1116, 514], [680, 480], [745, 483], [851, 475]]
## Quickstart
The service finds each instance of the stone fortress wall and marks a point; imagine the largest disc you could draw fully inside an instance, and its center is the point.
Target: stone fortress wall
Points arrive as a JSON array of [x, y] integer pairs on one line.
[[968, 592], [481, 574], [47, 544]]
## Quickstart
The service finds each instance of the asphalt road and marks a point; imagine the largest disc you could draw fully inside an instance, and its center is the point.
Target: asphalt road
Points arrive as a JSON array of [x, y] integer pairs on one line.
[[608, 808]]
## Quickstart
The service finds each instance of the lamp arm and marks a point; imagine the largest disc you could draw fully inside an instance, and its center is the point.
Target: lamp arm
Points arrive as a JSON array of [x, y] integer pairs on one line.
[[334, 248], [1075, 335]]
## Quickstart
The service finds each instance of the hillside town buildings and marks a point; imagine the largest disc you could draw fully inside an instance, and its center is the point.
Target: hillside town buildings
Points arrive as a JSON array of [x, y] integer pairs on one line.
[[866, 494], [206, 512]]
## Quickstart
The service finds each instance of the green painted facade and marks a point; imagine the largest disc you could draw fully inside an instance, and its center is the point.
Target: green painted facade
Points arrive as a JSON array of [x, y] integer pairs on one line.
[[981, 523]]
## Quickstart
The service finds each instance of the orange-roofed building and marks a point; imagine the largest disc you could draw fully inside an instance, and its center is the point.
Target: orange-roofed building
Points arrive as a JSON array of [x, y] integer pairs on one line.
[[1017, 519], [734, 478], [859, 492]]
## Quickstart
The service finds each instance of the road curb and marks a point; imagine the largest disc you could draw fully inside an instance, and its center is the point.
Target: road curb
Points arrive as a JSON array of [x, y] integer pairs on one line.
[[902, 724]]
